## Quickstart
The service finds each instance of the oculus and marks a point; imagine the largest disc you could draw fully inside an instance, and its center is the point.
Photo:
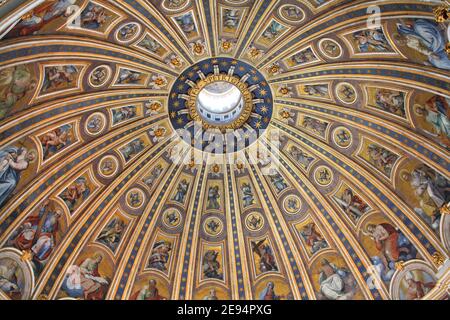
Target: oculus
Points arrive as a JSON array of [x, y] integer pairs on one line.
[[220, 105], [220, 102]]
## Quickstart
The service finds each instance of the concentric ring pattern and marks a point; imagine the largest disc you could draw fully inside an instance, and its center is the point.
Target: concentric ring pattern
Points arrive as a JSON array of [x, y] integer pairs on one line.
[[347, 196]]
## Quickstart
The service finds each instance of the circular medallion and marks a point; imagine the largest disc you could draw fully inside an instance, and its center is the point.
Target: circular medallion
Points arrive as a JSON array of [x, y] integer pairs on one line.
[[128, 32], [108, 166], [16, 275], [445, 229], [100, 76], [254, 221], [175, 5], [346, 93], [410, 276], [220, 103], [342, 137], [292, 204], [237, 1], [291, 13], [213, 226], [323, 176], [171, 218], [135, 198], [330, 48], [95, 124], [229, 100]]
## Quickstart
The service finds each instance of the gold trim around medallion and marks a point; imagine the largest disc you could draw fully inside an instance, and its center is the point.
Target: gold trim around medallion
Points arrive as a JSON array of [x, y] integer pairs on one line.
[[236, 81]]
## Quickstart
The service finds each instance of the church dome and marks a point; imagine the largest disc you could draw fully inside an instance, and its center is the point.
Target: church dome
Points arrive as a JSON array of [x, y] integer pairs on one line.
[[226, 149]]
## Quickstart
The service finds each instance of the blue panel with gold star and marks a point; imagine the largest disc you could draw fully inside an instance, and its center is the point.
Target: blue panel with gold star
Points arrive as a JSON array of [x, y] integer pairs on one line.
[[245, 135]]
